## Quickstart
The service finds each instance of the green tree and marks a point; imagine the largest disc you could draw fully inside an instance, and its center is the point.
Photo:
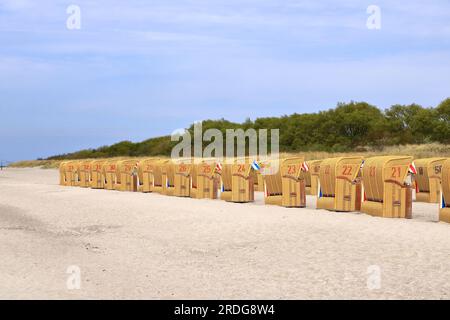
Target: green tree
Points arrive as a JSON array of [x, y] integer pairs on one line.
[[441, 128]]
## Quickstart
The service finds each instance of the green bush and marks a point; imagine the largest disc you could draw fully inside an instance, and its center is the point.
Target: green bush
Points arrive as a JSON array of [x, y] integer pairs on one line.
[[348, 127]]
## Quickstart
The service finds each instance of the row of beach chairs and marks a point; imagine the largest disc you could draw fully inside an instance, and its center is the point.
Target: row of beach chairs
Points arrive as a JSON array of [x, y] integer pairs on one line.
[[379, 186]]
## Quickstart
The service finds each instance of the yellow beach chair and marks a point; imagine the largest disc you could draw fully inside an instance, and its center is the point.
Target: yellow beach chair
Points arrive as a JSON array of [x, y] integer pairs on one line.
[[387, 189], [126, 175], [207, 179], [146, 169], [242, 184], [96, 174], [444, 212], [183, 170], [428, 179], [339, 186], [109, 174], [84, 173]]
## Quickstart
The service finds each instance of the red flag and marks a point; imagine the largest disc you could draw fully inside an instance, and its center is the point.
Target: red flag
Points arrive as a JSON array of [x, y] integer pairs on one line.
[[412, 168]]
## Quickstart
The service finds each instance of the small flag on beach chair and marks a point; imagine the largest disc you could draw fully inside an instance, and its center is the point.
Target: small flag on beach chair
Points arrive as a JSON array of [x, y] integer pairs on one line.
[[412, 168], [305, 167], [442, 201], [319, 190], [255, 165]]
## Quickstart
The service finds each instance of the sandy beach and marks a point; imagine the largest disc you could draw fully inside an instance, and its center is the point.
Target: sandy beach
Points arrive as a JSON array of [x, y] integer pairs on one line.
[[149, 246]]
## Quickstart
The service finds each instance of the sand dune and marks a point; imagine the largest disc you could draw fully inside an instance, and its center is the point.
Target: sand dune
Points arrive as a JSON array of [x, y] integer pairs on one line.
[[133, 245]]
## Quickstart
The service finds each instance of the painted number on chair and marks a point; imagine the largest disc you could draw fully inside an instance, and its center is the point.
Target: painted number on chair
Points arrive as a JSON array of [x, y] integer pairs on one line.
[[347, 170], [437, 169], [206, 169], [396, 172], [292, 169]]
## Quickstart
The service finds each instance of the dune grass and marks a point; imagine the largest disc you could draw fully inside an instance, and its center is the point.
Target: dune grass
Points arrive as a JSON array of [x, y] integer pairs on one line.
[[53, 164], [417, 151], [44, 164]]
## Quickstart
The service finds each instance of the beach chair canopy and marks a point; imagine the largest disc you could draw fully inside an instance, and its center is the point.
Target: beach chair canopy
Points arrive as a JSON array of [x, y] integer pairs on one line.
[[145, 166], [429, 168], [126, 167], [385, 169], [97, 166], [241, 167], [291, 168], [345, 168], [110, 166], [183, 167]]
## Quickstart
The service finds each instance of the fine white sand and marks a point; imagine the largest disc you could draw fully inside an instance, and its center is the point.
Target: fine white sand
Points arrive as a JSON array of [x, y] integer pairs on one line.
[[134, 245]]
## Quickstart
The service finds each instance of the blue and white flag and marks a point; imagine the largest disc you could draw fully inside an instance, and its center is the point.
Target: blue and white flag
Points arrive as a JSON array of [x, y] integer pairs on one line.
[[442, 201], [255, 165]]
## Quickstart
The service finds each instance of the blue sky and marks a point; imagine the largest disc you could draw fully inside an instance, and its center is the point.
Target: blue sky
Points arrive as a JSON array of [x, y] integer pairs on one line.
[[138, 69]]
